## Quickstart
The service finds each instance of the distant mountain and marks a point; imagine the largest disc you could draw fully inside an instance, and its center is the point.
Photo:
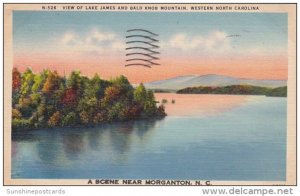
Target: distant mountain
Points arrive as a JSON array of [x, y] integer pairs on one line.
[[180, 82]]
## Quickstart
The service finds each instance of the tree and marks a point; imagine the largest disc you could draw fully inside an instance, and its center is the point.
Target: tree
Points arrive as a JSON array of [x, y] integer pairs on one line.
[[52, 83], [16, 114], [150, 104], [111, 95], [95, 87], [135, 111], [25, 104], [146, 99], [84, 117], [161, 111], [69, 98], [54, 119], [39, 80], [87, 108], [16, 80], [121, 81], [125, 88], [27, 82], [100, 117], [26, 107], [140, 94], [47, 100], [16, 85], [76, 82], [41, 114], [114, 112], [69, 119], [88, 104], [51, 88]]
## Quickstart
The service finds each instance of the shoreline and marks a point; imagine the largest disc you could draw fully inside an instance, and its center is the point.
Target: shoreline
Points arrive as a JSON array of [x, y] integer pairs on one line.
[[88, 126]]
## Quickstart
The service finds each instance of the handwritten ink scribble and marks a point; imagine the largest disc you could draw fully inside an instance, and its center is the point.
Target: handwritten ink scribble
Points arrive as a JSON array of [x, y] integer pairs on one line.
[[143, 47]]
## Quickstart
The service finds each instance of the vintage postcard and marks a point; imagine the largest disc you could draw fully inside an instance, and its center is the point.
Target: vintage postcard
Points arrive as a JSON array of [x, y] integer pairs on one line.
[[150, 94]]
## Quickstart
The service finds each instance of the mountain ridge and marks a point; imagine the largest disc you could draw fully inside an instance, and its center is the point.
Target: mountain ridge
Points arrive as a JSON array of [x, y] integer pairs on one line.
[[185, 81]]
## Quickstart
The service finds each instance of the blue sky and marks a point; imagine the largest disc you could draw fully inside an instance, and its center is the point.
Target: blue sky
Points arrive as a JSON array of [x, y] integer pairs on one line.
[[38, 26], [220, 41]]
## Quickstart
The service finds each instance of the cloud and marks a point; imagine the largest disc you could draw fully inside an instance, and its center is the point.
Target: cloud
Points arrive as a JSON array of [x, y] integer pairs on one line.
[[214, 41], [100, 38], [69, 38], [94, 42]]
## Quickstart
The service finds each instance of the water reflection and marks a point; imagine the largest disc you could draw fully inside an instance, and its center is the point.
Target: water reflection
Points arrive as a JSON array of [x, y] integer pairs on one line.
[[201, 105], [46, 148], [73, 144], [24, 136], [58, 146], [239, 139], [94, 138]]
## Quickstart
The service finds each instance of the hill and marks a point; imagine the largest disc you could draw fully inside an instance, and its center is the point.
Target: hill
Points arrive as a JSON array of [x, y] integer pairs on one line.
[[181, 82], [236, 90]]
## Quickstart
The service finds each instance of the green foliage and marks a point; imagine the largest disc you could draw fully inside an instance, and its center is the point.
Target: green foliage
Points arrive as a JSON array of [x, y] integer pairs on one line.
[[49, 100], [164, 101], [16, 114], [25, 106], [121, 81], [27, 82], [161, 111], [146, 99], [111, 95], [115, 111], [236, 90], [140, 94], [75, 81], [278, 92], [69, 119], [20, 123], [36, 98], [87, 104], [125, 89], [39, 80]]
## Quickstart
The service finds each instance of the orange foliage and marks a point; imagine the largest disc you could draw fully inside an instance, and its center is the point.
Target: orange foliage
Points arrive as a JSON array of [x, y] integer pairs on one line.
[[54, 119]]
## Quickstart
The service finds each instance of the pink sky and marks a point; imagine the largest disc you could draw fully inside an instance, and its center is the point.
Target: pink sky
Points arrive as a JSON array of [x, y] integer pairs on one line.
[[251, 66]]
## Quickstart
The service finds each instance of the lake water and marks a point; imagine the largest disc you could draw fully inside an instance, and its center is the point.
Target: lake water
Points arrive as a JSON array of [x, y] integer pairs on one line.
[[209, 137]]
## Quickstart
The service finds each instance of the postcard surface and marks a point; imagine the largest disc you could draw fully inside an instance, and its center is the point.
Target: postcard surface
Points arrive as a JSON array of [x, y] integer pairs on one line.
[[150, 94]]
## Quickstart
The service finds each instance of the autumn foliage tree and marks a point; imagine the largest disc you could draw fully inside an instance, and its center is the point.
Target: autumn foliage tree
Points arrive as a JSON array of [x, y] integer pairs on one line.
[[47, 99], [16, 80], [16, 85]]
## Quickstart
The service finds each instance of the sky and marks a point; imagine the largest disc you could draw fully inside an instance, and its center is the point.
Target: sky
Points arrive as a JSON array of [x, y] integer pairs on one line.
[[245, 45]]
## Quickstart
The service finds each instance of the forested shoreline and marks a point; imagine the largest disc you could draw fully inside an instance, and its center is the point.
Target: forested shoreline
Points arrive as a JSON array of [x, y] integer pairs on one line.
[[236, 90], [47, 99]]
